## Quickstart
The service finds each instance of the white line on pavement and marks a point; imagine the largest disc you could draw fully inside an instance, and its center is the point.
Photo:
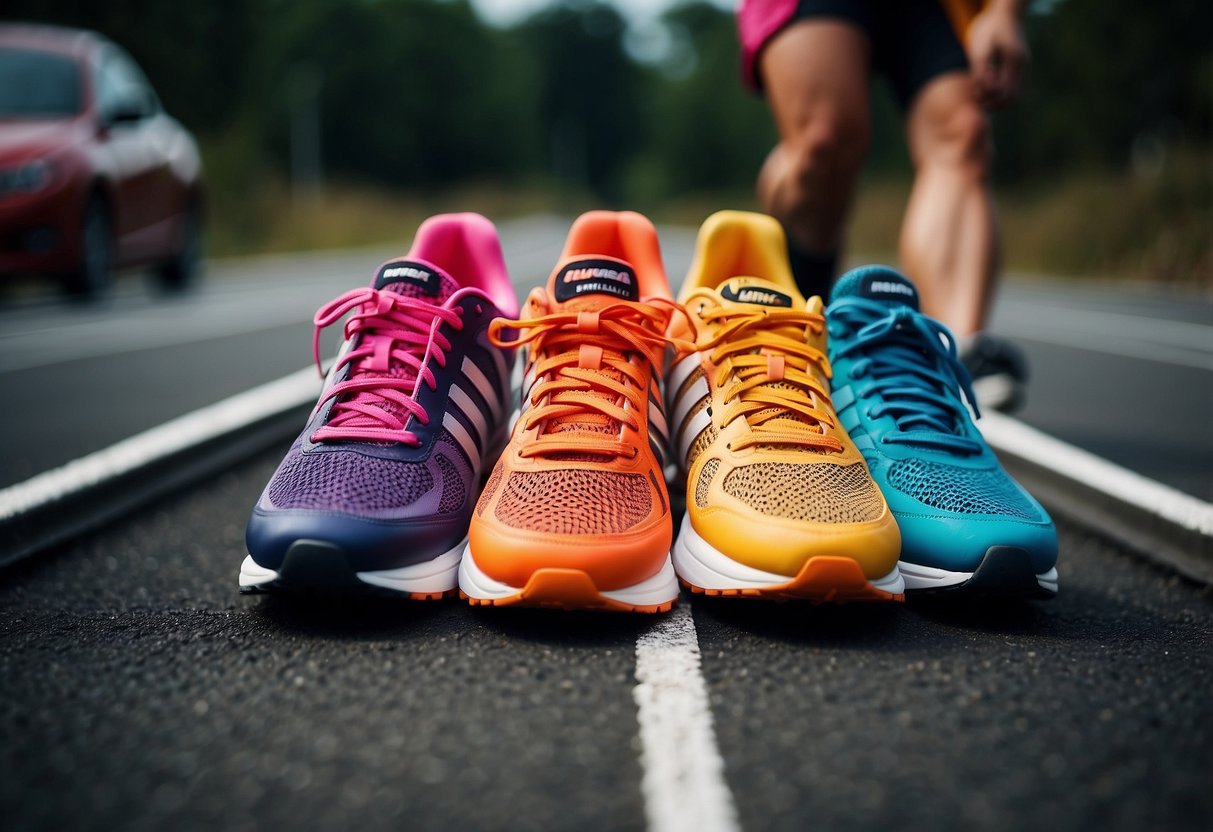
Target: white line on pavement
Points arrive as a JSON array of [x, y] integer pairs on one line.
[[684, 787], [1012, 436], [234, 413]]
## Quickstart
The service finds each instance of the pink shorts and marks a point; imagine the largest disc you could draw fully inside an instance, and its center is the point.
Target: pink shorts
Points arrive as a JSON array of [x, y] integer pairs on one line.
[[757, 22]]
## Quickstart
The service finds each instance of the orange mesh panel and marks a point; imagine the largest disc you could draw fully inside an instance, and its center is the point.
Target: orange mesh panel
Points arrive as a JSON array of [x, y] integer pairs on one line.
[[490, 488], [574, 501], [705, 481], [823, 493]]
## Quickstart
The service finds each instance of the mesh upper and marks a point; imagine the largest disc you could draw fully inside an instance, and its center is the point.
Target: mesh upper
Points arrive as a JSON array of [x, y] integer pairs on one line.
[[820, 492], [490, 488], [702, 442], [454, 492], [961, 490], [574, 501], [705, 482], [347, 481]]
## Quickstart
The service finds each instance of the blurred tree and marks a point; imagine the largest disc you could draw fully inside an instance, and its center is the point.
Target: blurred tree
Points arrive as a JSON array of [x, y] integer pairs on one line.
[[589, 94], [1105, 78], [708, 132]]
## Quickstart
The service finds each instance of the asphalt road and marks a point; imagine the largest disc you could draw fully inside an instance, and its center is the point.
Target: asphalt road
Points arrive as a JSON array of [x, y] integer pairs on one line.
[[1124, 372], [141, 692]]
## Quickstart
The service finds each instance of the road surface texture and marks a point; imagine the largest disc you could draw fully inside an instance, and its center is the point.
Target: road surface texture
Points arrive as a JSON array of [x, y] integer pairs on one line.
[[141, 692]]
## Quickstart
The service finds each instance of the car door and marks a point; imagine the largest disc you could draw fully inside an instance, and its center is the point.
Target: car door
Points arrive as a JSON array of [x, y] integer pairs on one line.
[[140, 176]]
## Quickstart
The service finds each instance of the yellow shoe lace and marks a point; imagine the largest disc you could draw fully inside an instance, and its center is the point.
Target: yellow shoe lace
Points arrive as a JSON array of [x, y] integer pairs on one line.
[[767, 355]]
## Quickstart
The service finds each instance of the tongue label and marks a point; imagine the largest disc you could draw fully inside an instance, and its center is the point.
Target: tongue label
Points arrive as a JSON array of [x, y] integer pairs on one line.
[[596, 277], [881, 287], [402, 271], [753, 294]]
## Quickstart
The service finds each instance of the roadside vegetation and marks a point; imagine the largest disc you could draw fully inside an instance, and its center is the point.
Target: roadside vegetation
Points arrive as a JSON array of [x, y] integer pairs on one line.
[[329, 123]]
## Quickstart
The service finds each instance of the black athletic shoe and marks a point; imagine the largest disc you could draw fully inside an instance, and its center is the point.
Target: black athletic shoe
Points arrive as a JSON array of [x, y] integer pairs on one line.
[[999, 370]]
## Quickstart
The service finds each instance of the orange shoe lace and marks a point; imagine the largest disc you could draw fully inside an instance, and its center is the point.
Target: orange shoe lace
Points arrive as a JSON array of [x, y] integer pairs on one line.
[[768, 354], [588, 381]]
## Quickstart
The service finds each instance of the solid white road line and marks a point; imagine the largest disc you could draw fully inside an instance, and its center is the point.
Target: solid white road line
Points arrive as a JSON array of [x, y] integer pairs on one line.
[[684, 787], [1173, 506], [239, 411]]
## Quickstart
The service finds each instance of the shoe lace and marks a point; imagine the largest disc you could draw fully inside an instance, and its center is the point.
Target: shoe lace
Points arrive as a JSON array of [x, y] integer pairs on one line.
[[764, 358], [587, 379], [914, 365], [397, 338]]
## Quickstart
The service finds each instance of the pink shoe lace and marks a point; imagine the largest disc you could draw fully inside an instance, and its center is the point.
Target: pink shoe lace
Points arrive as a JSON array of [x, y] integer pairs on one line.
[[399, 336]]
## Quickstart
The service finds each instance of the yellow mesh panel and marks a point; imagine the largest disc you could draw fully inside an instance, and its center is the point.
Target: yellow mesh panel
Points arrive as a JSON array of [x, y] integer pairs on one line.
[[822, 492], [705, 481]]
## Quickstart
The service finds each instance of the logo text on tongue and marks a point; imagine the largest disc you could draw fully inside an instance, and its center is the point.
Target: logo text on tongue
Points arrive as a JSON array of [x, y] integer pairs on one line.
[[752, 294], [889, 287], [397, 272], [586, 277]]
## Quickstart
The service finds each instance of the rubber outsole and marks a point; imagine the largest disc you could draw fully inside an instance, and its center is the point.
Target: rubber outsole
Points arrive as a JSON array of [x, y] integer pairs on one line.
[[823, 579], [313, 567], [1004, 571], [568, 589]]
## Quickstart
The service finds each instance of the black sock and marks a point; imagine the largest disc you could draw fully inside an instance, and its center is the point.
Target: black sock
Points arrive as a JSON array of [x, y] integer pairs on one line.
[[814, 272]]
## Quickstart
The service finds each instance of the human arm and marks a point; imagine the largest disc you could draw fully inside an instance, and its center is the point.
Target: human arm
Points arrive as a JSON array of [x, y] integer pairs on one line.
[[998, 51]]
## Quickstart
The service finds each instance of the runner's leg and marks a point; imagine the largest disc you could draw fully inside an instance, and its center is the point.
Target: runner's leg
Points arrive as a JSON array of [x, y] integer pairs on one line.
[[949, 239], [816, 76]]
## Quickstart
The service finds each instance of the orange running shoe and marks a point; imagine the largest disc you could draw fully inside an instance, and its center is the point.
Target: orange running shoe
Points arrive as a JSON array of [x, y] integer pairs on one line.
[[576, 514]]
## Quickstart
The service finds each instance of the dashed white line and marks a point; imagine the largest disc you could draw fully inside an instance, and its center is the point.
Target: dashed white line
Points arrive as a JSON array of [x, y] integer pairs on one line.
[[684, 786]]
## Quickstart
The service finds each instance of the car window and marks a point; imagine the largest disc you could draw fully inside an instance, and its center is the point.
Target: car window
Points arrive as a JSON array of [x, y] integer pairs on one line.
[[36, 84], [121, 85]]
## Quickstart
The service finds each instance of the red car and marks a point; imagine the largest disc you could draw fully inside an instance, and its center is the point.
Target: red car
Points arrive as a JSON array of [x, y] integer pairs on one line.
[[94, 176]]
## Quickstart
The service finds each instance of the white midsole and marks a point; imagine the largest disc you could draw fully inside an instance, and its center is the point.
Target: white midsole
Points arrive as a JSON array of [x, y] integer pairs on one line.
[[437, 575], [918, 576], [659, 589], [254, 574], [701, 564]]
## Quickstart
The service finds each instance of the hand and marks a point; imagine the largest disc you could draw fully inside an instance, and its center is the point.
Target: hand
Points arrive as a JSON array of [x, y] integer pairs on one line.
[[998, 54]]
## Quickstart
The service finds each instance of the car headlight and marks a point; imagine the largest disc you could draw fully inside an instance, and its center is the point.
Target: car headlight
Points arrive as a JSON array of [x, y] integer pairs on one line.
[[28, 178]]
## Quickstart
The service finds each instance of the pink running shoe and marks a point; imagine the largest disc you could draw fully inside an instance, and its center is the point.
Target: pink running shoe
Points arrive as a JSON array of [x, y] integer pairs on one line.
[[379, 488]]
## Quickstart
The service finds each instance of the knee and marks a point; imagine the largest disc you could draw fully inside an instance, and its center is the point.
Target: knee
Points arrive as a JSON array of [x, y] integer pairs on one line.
[[965, 140], [829, 151]]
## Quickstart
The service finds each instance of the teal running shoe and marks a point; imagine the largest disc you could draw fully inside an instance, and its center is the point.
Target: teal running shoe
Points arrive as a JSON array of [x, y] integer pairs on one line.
[[966, 526]]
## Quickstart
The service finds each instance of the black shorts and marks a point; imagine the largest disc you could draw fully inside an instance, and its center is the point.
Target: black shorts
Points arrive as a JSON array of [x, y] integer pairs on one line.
[[912, 40]]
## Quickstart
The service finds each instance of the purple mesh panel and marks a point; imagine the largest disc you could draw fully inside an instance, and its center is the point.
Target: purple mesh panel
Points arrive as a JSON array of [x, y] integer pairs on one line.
[[456, 475], [348, 482]]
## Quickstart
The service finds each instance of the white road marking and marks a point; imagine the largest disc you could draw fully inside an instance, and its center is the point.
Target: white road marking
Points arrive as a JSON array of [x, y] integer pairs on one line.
[[684, 787], [1181, 343], [176, 435], [1010, 435]]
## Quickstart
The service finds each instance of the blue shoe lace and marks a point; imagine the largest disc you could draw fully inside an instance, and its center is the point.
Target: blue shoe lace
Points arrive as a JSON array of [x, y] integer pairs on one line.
[[913, 362]]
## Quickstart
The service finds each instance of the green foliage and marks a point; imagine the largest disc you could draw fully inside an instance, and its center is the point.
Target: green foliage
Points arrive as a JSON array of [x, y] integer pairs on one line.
[[421, 96]]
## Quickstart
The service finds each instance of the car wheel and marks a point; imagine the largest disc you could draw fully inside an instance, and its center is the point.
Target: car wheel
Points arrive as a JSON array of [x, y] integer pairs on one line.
[[181, 271], [94, 276]]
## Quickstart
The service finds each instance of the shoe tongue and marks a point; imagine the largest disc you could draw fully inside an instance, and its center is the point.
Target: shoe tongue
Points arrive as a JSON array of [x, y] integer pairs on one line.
[[878, 283], [415, 279], [754, 291], [593, 282]]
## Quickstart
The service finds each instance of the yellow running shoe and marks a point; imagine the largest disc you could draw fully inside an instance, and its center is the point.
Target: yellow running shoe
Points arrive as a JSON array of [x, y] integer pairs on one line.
[[780, 504], [576, 515]]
